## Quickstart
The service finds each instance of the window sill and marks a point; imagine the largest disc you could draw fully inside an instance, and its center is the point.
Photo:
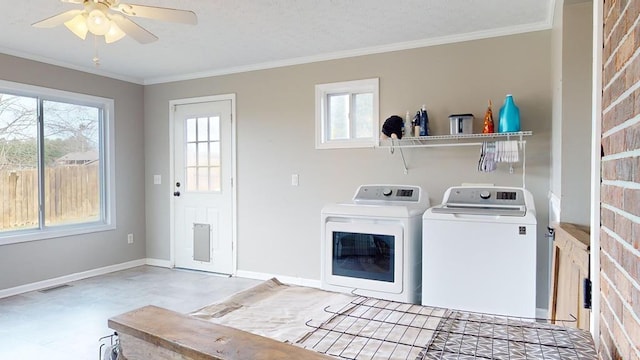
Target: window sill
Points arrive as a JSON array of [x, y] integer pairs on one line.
[[346, 144], [22, 236]]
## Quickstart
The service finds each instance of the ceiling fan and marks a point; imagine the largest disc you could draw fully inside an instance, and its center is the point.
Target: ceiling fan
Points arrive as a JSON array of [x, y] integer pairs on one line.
[[110, 18]]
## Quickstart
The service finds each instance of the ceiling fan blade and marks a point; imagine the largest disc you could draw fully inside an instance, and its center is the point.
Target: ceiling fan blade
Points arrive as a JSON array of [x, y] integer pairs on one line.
[[158, 13], [134, 30], [56, 20]]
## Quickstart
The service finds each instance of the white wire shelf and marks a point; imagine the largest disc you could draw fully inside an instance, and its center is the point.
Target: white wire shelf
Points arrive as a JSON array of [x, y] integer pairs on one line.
[[450, 140]]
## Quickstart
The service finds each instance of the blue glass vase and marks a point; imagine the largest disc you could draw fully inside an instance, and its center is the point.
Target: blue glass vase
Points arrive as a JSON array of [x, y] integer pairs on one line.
[[509, 118]]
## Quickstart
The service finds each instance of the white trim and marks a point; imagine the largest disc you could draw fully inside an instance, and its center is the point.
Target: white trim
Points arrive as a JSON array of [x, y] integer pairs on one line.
[[542, 313], [554, 208], [283, 278], [234, 182], [596, 142], [323, 91], [451, 39], [70, 278], [234, 172], [159, 263], [107, 173], [90, 70], [478, 35]]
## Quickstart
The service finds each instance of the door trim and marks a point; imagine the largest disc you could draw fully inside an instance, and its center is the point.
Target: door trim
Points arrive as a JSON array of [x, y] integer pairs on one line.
[[234, 193], [596, 159]]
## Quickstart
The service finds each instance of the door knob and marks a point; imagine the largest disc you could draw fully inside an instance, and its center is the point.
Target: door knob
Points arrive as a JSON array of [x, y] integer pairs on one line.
[[176, 193]]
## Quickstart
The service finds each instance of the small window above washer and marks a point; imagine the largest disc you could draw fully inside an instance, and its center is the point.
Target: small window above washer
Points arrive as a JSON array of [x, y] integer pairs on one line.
[[347, 114]]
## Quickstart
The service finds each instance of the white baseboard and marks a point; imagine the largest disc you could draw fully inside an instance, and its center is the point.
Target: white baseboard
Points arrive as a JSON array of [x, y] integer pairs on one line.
[[542, 313], [159, 263], [283, 278], [69, 278]]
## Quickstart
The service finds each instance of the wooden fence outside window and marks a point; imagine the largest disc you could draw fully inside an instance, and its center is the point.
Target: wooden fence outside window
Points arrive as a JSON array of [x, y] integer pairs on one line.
[[72, 195]]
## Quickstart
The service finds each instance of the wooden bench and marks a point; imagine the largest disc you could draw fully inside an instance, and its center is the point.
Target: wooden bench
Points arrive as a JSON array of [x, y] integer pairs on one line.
[[155, 333]]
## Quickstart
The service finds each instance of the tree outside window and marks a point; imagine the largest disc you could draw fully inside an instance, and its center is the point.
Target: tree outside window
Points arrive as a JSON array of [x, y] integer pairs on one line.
[[50, 171]]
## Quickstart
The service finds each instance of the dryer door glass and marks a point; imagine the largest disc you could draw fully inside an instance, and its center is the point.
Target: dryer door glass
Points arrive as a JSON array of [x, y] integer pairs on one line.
[[364, 256]]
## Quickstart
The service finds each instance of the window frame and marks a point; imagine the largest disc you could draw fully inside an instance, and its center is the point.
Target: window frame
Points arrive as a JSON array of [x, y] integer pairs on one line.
[[351, 88], [106, 130]]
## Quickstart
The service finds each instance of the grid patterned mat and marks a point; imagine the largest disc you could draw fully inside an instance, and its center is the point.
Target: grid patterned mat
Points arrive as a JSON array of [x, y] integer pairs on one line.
[[463, 335], [378, 329]]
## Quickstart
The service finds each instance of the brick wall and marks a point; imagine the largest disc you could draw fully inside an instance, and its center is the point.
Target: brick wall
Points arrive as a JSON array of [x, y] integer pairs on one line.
[[620, 195]]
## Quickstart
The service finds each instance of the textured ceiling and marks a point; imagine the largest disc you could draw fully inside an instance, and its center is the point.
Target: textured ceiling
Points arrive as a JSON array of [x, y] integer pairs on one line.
[[240, 35]]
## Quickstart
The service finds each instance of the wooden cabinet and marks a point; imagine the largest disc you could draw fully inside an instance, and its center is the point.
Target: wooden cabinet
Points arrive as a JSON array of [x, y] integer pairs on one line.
[[569, 268]]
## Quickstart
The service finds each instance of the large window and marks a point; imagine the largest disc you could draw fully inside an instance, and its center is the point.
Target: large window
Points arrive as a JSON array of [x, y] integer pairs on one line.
[[55, 173], [347, 114]]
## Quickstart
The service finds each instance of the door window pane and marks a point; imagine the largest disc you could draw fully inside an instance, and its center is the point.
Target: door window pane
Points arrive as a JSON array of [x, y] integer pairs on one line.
[[202, 154], [203, 129], [192, 154], [214, 128], [192, 179], [190, 129], [18, 163], [71, 163], [214, 155]]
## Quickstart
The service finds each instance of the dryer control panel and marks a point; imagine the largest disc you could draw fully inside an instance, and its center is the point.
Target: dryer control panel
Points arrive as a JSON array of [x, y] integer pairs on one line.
[[387, 193]]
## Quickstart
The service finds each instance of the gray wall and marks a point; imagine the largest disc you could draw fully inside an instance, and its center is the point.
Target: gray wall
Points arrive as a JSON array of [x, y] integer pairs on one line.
[[35, 261], [576, 113], [278, 224], [571, 155]]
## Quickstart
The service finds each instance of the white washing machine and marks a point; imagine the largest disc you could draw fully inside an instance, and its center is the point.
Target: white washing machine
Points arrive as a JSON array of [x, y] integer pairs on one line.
[[371, 246], [479, 251]]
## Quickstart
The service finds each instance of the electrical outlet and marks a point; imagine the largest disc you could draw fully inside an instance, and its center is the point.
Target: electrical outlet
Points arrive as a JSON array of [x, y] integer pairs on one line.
[[130, 239]]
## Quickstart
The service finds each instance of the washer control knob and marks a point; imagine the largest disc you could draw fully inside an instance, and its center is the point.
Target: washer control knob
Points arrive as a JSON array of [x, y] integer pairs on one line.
[[485, 194], [386, 192]]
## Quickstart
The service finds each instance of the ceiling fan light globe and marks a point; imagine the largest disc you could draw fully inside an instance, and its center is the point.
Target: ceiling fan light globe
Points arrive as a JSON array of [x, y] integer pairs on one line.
[[98, 23], [78, 26], [114, 34]]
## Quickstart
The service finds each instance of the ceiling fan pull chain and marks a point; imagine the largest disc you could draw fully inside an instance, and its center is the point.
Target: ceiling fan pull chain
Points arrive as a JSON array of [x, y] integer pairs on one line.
[[96, 57]]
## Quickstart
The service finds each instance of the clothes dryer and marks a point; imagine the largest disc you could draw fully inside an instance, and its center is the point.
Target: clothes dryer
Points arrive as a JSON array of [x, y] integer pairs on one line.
[[372, 245]]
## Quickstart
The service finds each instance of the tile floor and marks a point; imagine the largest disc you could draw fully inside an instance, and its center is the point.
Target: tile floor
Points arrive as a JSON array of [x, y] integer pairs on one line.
[[66, 323]]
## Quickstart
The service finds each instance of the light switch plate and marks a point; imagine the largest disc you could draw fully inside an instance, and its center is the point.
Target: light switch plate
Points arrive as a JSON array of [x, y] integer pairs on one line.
[[157, 179], [295, 179]]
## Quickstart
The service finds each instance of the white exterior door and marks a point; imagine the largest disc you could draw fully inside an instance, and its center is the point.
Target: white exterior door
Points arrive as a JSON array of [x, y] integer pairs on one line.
[[203, 190]]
